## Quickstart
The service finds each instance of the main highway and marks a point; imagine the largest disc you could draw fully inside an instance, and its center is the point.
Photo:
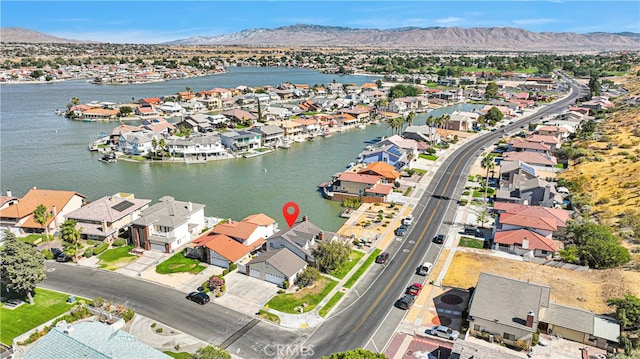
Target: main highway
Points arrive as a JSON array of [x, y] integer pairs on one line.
[[367, 317]]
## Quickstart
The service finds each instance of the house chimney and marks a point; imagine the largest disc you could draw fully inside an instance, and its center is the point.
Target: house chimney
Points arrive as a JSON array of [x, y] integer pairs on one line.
[[54, 214], [104, 227], [9, 194], [321, 236], [189, 206], [530, 316], [305, 218]]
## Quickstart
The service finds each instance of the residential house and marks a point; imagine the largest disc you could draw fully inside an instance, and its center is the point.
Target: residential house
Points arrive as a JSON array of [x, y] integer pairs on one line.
[[531, 158], [242, 140], [301, 239], [391, 154], [276, 266], [368, 188], [311, 126], [292, 129], [506, 111], [145, 111], [519, 145], [99, 114], [279, 112], [271, 135], [137, 143], [513, 172], [170, 108], [235, 242], [410, 146], [361, 113], [524, 242], [545, 221], [167, 225], [514, 310], [107, 218], [158, 125], [422, 133], [197, 122], [197, 148], [552, 141], [381, 169], [122, 129], [462, 121], [240, 116], [554, 131], [90, 339], [18, 217], [534, 192]]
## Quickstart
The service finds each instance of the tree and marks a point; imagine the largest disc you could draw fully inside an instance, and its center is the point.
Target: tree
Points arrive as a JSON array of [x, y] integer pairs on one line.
[[488, 164], [125, 111], [356, 354], [410, 118], [307, 277], [483, 216], [162, 144], [331, 255], [211, 352], [627, 311], [21, 266], [594, 86], [493, 116], [395, 124], [71, 234], [595, 245], [491, 91], [41, 216], [154, 145]]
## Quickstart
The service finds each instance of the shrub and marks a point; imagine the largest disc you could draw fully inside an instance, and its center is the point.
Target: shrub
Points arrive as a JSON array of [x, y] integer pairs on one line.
[[127, 314], [100, 248], [158, 330], [97, 302], [88, 253], [285, 285], [119, 242], [232, 267], [47, 254], [153, 325], [521, 345], [225, 271]]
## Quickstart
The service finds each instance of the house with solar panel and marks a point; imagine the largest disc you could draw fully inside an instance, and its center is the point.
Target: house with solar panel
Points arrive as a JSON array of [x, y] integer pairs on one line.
[[108, 217]]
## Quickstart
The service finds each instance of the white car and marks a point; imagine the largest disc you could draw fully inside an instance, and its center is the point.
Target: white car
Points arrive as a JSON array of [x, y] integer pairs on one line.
[[445, 332], [408, 220]]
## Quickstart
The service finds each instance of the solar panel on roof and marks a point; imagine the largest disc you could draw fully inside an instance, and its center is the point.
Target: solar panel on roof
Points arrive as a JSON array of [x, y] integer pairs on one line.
[[122, 206]]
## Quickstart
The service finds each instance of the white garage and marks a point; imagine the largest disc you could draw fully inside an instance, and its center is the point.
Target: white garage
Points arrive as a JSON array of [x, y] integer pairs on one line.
[[276, 266]]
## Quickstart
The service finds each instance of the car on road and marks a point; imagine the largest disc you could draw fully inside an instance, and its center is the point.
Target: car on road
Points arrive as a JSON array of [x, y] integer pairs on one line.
[[406, 302], [439, 239], [408, 220], [198, 297], [445, 332], [382, 257], [401, 231], [414, 289], [424, 268]]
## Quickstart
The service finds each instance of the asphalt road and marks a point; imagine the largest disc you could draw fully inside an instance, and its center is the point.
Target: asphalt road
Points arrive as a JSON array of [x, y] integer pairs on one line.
[[368, 318]]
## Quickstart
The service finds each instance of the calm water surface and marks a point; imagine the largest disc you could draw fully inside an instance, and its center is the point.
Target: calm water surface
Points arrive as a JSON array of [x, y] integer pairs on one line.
[[38, 148]]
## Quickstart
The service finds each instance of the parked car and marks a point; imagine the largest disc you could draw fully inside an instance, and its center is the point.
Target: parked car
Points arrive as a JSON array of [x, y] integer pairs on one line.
[[382, 257], [63, 258], [425, 268], [445, 332], [198, 297], [439, 239], [414, 289], [471, 231], [56, 252], [401, 231], [406, 302], [408, 220]]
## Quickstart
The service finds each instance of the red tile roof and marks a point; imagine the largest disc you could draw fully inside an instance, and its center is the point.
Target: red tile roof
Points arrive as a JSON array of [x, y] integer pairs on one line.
[[560, 215], [532, 158], [521, 220], [381, 169], [226, 246], [260, 219], [358, 178], [35, 197], [380, 189], [519, 236]]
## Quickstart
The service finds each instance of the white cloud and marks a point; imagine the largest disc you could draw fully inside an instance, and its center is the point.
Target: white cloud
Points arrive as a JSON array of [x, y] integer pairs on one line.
[[449, 20], [538, 21]]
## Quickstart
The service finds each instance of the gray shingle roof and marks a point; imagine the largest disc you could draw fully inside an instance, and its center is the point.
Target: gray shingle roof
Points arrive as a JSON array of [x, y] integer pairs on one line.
[[168, 212], [508, 300], [568, 317], [284, 260], [103, 209]]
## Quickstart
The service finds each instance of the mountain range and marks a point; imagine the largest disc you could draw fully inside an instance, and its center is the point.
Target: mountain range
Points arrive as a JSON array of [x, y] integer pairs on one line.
[[435, 38]]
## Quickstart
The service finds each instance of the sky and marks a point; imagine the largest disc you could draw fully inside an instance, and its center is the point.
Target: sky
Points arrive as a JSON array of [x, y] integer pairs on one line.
[[158, 21]]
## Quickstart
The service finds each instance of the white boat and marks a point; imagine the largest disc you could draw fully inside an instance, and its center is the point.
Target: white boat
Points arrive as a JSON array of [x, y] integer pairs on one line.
[[362, 126], [284, 144]]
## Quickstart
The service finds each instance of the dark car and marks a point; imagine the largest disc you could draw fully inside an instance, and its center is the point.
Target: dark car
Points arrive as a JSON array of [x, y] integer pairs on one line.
[[406, 302], [63, 258], [401, 231], [198, 297], [382, 257], [56, 252], [439, 239], [470, 231]]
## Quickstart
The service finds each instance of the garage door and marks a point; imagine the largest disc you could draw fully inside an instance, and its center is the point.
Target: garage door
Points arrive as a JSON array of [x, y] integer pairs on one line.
[[220, 262], [158, 247], [273, 278], [254, 273]]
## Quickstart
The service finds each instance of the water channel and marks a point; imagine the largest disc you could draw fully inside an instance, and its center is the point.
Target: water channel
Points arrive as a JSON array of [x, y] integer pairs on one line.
[[38, 148]]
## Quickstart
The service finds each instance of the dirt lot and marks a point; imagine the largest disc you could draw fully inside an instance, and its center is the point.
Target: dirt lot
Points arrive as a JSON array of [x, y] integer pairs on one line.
[[588, 290]]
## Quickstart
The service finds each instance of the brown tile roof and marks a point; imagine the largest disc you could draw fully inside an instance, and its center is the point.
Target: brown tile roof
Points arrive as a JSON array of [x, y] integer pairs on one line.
[[260, 219], [358, 178], [241, 230], [560, 215], [382, 169], [532, 158], [544, 223], [35, 197], [518, 236], [380, 189], [226, 246]]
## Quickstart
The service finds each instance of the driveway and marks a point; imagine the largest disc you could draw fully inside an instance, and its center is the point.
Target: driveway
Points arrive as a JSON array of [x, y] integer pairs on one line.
[[246, 294]]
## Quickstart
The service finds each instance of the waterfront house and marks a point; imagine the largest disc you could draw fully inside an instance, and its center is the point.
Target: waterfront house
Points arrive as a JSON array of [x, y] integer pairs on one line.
[[145, 111], [18, 217], [361, 113], [171, 109], [513, 310], [277, 266], [344, 120], [136, 143], [198, 148], [235, 241], [422, 133], [381, 169], [271, 135], [279, 112], [108, 217], [99, 114], [240, 116], [241, 140], [367, 188], [310, 126], [408, 145], [462, 121], [167, 225], [391, 154], [292, 129], [301, 239]]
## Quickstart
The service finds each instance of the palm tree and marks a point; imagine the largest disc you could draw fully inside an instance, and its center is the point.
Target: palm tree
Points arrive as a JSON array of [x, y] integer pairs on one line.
[[41, 216], [71, 233], [488, 164], [163, 145], [154, 145], [395, 124], [411, 117]]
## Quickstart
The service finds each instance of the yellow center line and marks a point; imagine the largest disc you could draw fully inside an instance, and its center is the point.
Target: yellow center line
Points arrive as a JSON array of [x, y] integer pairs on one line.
[[406, 260]]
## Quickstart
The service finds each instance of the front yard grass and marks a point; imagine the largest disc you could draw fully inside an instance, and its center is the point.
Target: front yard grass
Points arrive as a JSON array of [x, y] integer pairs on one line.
[[331, 303], [471, 242], [344, 269], [308, 297], [363, 268], [178, 355], [428, 157], [116, 258], [179, 263], [269, 316], [47, 305]]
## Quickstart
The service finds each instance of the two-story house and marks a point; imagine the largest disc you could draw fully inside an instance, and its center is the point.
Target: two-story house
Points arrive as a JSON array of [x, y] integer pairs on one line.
[[241, 140]]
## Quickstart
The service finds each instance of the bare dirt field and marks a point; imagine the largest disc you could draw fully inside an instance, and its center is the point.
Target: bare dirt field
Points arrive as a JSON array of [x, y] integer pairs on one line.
[[588, 290]]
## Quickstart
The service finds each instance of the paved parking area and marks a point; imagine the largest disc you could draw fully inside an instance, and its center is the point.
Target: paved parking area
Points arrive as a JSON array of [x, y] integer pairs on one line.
[[246, 294]]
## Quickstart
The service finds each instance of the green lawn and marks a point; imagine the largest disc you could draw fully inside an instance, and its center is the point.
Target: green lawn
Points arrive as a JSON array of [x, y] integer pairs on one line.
[[34, 239], [470, 242], [179, 263], [363, 268], [116, 258], [48, 305], [344, 269], [288, 302], [477, 193], [269, 316], [428, 157], [179, 355], [331, 303]]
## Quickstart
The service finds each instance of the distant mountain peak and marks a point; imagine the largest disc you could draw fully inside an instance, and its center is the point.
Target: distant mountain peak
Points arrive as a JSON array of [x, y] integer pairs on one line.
[[18, 34]]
